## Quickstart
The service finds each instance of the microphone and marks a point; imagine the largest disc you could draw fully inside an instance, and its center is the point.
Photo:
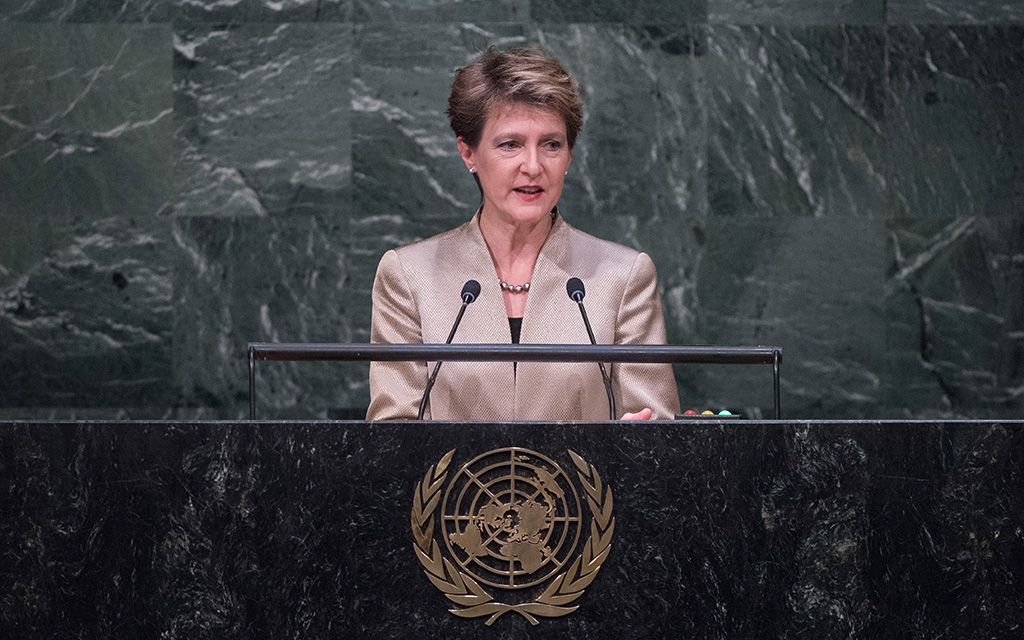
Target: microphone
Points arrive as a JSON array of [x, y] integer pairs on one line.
[[574, 287], [470, 291]]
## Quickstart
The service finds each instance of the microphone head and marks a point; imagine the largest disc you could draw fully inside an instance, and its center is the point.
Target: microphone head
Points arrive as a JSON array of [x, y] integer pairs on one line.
[[470, 291], [574, 287]]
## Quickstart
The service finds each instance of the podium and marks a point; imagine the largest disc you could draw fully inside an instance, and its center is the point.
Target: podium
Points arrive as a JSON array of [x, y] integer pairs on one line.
[[722, 529]]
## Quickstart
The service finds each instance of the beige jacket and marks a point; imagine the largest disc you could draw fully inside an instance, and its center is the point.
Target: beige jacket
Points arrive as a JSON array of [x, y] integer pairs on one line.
[[416, 299]]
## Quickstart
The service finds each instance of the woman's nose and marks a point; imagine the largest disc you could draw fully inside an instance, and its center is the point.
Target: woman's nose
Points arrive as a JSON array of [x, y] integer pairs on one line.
[[531, 162]]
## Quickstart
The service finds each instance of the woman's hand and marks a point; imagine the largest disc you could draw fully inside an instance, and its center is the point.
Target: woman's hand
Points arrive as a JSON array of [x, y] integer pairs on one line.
[[643, 414]]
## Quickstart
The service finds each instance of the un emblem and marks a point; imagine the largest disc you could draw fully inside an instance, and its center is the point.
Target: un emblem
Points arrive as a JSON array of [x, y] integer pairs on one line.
[[511, 519]]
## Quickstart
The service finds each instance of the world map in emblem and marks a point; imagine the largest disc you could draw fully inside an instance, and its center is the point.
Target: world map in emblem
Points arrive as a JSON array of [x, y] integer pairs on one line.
[[511, 518]]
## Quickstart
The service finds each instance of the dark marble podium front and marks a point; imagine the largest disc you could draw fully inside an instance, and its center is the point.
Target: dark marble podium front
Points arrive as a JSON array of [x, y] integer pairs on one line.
[[724, 529]]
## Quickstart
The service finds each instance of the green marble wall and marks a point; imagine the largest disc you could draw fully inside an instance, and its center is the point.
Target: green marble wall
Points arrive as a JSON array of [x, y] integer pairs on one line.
[[842, 178]]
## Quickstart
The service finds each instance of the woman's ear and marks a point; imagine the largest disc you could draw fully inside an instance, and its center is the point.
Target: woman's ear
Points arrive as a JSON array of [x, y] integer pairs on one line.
[[466, 152]]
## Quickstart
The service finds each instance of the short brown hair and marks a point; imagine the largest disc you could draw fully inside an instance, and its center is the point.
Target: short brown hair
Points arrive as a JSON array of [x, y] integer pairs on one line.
[[503, 78]]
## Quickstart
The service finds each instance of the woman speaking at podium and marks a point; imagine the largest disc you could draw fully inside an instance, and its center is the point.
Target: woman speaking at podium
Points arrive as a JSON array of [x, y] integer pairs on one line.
[[516, 115]]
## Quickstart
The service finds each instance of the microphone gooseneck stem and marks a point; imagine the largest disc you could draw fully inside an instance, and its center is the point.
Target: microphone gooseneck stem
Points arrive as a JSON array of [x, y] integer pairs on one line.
[[426, 392], [604, 374], [458, 319], [437, 367]]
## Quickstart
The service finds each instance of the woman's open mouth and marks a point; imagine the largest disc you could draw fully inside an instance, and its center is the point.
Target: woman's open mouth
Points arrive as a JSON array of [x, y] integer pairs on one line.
[[529, 194]]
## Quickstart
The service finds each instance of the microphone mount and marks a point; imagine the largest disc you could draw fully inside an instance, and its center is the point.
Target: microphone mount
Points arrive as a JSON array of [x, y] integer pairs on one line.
[[574, 287], [469, 294]]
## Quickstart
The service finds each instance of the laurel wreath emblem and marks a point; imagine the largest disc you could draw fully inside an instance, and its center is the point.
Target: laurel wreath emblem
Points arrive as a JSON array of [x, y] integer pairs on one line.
[[472, 600]]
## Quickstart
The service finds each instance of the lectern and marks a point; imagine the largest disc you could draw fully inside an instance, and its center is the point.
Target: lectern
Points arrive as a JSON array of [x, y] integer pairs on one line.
[[710, 528], [702, 529]]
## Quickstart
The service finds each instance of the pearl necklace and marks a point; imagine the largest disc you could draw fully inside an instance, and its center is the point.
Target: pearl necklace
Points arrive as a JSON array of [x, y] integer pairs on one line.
[[513, 288]]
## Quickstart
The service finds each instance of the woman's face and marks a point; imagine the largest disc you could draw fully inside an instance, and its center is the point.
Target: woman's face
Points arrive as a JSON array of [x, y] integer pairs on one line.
[[522, 159]]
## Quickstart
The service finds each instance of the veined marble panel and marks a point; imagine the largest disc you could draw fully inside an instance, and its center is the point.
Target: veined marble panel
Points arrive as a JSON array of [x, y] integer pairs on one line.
[[637, 12], [153, 411], [89, 324], [956, 317], [954, 11], [796, 121], [85, 133], [85, 121], [796, 12], [956, 138], [269, 279], [151, 11], [262, 119], [156, 11], [453, 12], [256, 11], [811, 286]]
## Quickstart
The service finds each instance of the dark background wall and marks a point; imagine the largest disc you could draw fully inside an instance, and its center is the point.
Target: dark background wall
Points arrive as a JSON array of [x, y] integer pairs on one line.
[[842, 178]]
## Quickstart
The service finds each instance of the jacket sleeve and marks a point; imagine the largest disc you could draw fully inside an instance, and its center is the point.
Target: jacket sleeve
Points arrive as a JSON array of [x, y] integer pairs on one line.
[[640, 321], [395, 387]]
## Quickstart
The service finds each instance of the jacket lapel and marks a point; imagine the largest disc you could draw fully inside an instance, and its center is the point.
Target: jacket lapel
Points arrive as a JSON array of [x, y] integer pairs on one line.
[[489, 322], [549, 312]]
